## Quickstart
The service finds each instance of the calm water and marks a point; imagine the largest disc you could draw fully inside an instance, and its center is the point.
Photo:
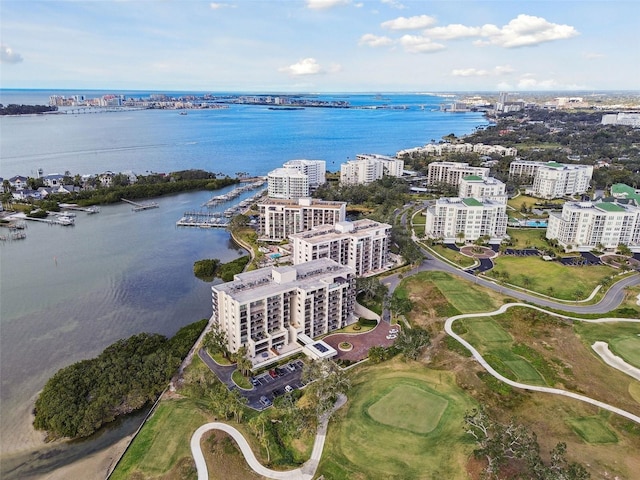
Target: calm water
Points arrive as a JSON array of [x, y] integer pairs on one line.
[[66, 293]]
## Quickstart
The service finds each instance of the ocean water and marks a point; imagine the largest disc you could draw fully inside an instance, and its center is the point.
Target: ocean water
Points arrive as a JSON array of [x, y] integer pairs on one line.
[[68, 292]]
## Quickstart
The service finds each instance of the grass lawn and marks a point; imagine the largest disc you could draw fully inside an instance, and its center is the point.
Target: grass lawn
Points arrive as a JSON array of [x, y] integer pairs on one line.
[[552, 278], [496, 344], [527, 237], [163, 441], [592, 430], [627, 348], [463, 295], [241, 380], [520, 199], [453, 256], [402, 421]]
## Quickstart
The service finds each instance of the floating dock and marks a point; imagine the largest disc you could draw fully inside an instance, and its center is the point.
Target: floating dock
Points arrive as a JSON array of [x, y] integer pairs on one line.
[[236, 192], [137, 207], [202, 220]]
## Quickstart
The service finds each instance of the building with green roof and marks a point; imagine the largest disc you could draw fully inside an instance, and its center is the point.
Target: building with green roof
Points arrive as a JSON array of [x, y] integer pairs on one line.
[[583, 226]]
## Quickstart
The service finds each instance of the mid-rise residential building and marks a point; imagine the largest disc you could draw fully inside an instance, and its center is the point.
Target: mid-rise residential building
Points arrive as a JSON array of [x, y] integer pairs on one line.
[[367, 168], [451, 173], [585, 225], [266, 309], [553, 179], [314, 169], [482, 187], [280, 218], [453, 219], [287, 183], [438, 149], [363, 245]]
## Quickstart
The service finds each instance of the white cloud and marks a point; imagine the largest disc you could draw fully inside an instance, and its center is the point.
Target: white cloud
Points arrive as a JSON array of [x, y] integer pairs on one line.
[[522, 31], [529, 82], [324, 4], [411, 23], [469, 72], [419, 44], [217, 5], [372, 40], [526, 30], [474, 72], [394, 4], [9, 56], [593, 55], [306, 66], [452, 32]]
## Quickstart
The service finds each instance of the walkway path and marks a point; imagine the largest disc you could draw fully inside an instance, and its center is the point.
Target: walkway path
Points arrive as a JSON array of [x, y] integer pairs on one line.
[[556, 391], [306, 472]]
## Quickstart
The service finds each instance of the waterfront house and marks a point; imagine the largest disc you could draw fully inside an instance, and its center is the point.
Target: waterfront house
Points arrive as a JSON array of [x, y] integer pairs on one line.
[[18, 182]]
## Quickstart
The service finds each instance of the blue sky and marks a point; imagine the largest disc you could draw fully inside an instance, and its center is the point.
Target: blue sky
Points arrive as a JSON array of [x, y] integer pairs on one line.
[[321, 45]]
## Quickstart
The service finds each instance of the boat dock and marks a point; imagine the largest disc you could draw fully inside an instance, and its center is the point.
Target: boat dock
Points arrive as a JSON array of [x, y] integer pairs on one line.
[[202, 220], [137, 207], [236, 192], [73, 206]]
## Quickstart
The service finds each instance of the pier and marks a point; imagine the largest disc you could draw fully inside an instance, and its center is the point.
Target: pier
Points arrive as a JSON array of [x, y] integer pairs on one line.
[[202, 220], [73, 206], [137, 207]]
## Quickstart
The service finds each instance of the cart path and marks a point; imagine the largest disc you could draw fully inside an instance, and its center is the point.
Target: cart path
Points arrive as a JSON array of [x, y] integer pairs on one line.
[[536, 388], [306, 472]]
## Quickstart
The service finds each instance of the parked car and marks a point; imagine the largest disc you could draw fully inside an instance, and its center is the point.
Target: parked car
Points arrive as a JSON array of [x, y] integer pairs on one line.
[[288, 389], [273, 373], [291, 367], [255, 382], [391, 337], [265, 401], [393, 331]]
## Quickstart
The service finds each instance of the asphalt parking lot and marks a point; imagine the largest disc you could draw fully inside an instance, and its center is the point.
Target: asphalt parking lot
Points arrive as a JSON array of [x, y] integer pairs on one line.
[[264, 385]]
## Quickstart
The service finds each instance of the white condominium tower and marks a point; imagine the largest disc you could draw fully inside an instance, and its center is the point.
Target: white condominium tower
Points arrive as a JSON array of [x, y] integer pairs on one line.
[[454, 219], [287, 183], [268, 308], [367, 168], [482, 187], [281, 218], [584, 225], [314, 169], [451, 173], [363, 245], [553, 179]]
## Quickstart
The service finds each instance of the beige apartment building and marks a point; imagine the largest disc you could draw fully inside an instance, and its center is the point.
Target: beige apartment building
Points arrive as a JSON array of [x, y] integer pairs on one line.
[[362, 245], [280, 218], [267, 309]]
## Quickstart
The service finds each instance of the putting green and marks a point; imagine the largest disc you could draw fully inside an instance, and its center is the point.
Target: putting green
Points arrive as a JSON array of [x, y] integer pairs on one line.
[[628, 348], [409, 408], [592, 430]]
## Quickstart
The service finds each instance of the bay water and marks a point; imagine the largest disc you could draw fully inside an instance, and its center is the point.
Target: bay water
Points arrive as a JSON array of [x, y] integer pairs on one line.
[[68, 292]]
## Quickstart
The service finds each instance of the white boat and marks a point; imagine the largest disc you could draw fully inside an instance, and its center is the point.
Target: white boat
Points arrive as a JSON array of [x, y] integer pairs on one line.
[[65, 220]]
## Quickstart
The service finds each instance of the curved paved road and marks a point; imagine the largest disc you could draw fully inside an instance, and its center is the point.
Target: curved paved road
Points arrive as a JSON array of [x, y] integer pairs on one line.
[[536, 388], [612, 298], [306, 472]]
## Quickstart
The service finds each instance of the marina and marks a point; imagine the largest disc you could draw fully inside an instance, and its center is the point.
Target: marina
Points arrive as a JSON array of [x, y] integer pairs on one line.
[[236, 192], [73, 206], [202, 220]]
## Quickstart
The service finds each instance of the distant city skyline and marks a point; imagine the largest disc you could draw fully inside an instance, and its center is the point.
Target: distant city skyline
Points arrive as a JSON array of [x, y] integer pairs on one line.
[[321, 45]]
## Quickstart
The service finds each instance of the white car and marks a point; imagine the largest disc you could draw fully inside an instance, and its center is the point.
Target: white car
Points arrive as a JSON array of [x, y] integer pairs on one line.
[[391, 337], [393, 331]]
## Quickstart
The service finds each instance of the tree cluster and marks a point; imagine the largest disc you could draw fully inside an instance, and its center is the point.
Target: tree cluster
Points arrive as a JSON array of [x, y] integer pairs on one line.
[[328, 381], [209, 268], [127, 375], [514, 448], [14, 109]]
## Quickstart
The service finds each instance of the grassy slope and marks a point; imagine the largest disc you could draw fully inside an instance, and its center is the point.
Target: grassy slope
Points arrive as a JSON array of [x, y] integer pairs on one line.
[[564, 281], [360, 447]]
